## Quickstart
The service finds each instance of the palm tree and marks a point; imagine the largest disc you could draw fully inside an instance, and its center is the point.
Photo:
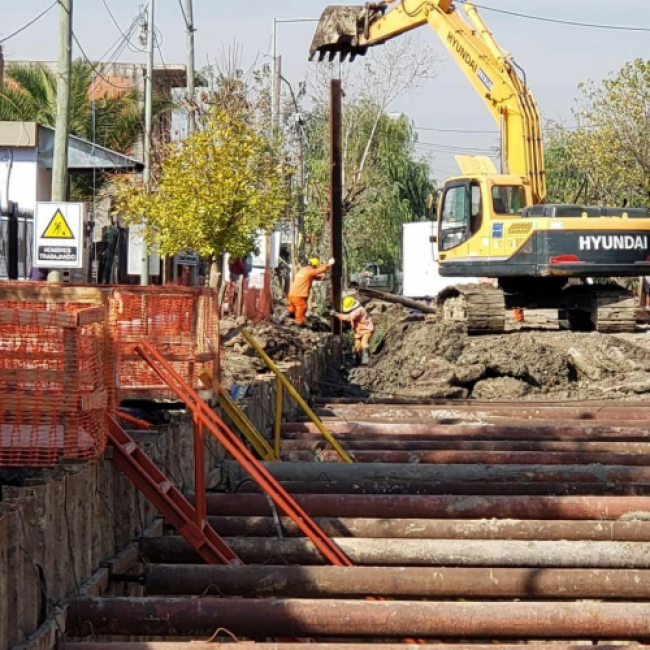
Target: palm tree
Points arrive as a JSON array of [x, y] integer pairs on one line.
[[29, 94]]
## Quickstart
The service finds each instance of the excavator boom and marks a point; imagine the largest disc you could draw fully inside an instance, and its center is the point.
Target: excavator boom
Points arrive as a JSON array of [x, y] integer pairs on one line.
[[348, 31]]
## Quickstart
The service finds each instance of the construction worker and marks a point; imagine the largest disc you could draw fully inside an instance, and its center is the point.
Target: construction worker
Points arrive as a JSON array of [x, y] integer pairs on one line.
[[301, 288], [362, 325]]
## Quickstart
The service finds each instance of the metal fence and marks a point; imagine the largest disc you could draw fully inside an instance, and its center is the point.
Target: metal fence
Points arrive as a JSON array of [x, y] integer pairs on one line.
[[25, 221]]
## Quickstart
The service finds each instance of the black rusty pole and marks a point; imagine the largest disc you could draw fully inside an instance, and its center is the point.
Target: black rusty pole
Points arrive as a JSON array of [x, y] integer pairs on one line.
[[214, 645], [438, 507], [12, 241], [405, 472], [336, 199], [272, 617], [467, 488], [404, 582], [418, 552]]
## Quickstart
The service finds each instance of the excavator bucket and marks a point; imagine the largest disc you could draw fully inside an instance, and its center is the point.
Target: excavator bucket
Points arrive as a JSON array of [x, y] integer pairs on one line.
[[340, 28]]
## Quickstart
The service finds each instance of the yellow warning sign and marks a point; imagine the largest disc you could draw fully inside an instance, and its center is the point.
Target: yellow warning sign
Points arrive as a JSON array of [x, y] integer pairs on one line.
[[58, 228]]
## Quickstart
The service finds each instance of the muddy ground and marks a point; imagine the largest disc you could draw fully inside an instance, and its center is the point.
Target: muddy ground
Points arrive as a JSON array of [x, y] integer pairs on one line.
[[283, 343], [426, 359], [418, 357]]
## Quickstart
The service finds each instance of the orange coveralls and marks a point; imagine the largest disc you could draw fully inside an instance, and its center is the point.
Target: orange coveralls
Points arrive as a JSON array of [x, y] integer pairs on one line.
[[300, 290]]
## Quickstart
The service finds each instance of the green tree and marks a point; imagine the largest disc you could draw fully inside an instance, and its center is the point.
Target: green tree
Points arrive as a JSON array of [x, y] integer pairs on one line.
[[565, 182], [610, 150], [214, 190], [392, 188], [29, 94]]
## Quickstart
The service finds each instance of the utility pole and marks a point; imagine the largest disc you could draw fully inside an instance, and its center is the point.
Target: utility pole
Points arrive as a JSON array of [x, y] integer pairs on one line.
[[336, 199], [275, 106], [301, 190], [191, 88], [60, 161], [148, 127]]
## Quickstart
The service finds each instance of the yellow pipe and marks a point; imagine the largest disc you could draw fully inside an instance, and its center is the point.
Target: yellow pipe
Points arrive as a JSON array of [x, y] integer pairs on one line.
[[296, 396], [277, 425], [246, 427]]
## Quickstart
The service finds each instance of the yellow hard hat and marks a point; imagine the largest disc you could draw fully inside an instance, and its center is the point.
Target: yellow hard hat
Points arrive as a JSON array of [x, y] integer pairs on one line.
[[313, 261], [349, 303]]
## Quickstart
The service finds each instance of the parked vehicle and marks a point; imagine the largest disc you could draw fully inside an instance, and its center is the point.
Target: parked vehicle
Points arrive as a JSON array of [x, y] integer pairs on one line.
[[376, 276]]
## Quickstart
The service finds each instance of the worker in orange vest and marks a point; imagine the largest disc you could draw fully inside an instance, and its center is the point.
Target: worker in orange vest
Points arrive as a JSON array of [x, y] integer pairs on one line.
[[301, 288]]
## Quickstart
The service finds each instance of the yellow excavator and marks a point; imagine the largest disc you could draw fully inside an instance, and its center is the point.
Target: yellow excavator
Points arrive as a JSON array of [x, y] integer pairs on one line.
[[494, 224]]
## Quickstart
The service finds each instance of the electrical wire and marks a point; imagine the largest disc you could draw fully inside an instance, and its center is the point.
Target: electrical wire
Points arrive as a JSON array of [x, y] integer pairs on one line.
[[30, 23], [187, 20], [127, 38], [426, 128], [559, 21]]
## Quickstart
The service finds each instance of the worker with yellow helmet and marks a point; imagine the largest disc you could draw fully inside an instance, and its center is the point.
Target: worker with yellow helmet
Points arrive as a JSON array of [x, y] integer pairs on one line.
[[362, 325], [301, 288]]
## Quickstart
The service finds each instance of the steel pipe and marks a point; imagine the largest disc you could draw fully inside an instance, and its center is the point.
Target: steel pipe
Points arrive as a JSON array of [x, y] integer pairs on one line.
[[458, 457], [385, 443], [417, 552], [408, 472], [467, 488], [442, 431], [403, 582], [269, 617], [439, 507], [382, 402], [596, 412], [614, 531], [214, 645]]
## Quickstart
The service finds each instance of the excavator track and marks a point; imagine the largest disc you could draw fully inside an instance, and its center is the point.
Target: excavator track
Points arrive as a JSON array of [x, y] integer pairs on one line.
[[480, 307], [611, 309]]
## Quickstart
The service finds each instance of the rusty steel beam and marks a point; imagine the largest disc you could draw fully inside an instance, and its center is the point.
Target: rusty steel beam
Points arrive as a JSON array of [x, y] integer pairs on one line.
[[386, 443], [453, 457], [390, 486], [272, 617], [439, 507], [614, 531], [417, 552], [214, 645], [406, 472], [403, 582], [446, 430]]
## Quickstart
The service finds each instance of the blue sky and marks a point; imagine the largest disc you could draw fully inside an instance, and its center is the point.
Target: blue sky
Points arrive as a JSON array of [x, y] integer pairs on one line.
[[556, 57]]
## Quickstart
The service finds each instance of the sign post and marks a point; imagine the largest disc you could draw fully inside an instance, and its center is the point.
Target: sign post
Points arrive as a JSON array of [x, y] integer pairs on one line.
[[59, 235]]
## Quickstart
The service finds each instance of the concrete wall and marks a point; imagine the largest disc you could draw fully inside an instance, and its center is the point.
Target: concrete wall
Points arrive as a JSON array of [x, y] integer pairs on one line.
[[57, 526]]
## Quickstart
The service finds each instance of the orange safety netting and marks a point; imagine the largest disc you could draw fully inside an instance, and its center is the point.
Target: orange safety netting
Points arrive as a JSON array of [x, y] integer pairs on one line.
[[53, 395], [181, 322], [258, 302]]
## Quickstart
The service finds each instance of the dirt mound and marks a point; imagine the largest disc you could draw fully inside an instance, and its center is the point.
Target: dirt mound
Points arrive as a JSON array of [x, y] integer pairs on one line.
[[423, 358], [240, 362]]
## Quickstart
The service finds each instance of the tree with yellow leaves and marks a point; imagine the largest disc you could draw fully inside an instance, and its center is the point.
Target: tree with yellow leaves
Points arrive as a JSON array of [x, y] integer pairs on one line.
[[214, 190]]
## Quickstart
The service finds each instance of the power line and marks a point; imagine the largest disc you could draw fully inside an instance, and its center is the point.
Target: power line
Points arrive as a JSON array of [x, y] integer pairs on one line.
[[127, 38], [426, 128], [187, 21], [30, 23], [572, 127], [559, 21]]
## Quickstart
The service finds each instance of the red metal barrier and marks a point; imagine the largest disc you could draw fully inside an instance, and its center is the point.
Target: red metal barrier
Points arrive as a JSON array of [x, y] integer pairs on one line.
[[205, 416]]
